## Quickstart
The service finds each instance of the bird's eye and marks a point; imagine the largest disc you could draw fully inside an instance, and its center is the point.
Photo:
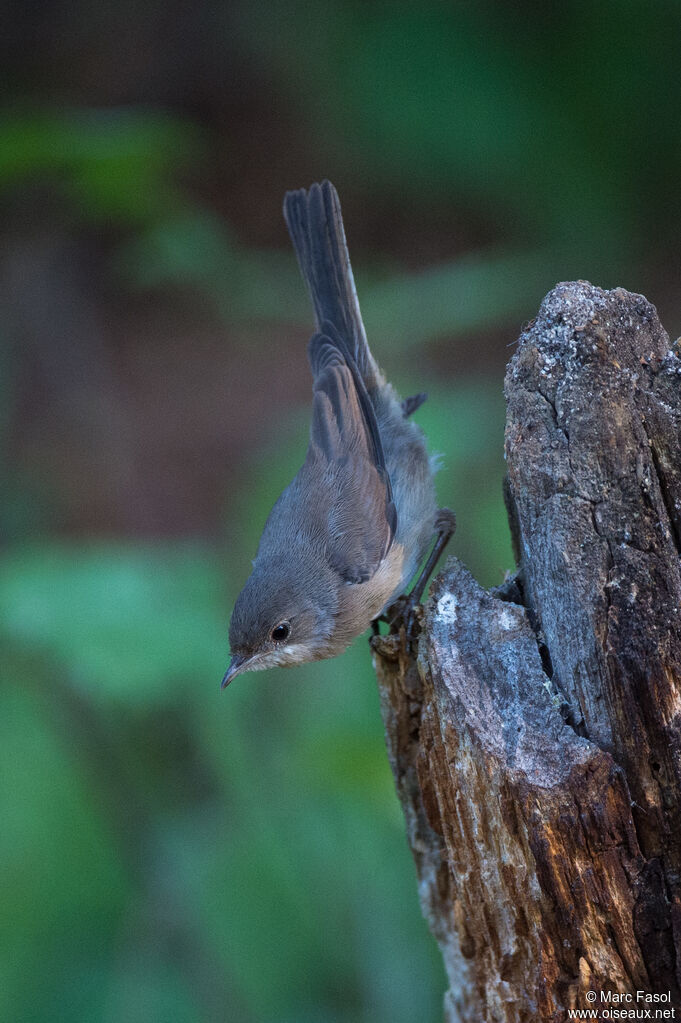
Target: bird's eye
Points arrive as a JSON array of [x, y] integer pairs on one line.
[[281, 632]]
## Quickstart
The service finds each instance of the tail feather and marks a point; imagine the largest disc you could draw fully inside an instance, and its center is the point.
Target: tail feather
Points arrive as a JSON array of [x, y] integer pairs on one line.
[[315, 224]]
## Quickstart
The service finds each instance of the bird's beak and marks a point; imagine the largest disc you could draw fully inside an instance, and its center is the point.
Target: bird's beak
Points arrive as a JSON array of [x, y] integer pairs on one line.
[[238, 663]]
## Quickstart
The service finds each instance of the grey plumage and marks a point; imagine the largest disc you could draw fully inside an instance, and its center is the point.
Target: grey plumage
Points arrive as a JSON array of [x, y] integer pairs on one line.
[[347, 535]]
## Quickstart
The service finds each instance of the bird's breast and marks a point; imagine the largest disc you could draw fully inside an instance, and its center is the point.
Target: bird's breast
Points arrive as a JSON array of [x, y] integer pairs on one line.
[[360, 603]]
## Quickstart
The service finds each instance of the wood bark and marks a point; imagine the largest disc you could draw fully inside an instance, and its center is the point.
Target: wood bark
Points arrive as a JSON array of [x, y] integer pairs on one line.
[[535, 731]]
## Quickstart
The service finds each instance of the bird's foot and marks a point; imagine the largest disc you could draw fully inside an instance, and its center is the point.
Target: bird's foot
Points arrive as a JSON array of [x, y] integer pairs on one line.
[[403, 618], [445, 523], [405, 613], [411, 404]]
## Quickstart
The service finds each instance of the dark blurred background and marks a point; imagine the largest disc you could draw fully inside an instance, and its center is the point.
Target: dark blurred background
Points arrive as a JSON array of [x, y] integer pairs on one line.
[[170, 852]]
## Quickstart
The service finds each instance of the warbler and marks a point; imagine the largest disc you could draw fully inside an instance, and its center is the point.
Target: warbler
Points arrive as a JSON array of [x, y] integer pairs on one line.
[[349, 532]]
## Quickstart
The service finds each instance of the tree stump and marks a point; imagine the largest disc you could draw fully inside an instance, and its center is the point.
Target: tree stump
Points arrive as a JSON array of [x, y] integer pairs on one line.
[[535, 734]]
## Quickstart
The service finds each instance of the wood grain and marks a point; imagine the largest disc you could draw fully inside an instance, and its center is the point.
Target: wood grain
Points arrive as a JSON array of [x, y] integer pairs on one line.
[[535, 735]]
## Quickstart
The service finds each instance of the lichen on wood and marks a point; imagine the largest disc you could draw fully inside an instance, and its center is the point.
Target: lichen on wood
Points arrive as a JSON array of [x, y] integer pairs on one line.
[[535, 732]]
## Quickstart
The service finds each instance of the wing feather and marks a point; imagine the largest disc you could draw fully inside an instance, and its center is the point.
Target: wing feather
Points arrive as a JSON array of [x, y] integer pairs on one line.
[[361, 513]]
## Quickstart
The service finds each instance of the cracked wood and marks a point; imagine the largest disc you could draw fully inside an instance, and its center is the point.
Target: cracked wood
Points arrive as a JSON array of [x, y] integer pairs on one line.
[[537, 748]]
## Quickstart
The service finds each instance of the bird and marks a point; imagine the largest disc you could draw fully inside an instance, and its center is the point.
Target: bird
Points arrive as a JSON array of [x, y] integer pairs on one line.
[[348, 534]]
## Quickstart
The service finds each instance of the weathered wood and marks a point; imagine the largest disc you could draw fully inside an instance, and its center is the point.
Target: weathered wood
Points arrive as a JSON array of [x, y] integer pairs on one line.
[[536, 745]]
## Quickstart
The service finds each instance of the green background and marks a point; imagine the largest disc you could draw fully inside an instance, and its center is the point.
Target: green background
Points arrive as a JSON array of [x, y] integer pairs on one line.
[[170, 852]]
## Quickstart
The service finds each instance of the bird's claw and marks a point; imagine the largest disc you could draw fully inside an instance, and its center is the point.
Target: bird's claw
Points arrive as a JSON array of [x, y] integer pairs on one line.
[[405, 613]]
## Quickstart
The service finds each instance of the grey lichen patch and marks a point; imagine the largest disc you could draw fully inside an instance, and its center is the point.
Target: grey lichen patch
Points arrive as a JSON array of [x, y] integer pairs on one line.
[[491, 678]]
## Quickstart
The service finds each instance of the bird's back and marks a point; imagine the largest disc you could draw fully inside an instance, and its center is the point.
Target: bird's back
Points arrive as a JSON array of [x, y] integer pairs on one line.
[[387, 504]]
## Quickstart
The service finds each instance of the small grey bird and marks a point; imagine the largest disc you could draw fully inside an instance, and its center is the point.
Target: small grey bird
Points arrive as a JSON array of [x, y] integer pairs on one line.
[[348, 534]]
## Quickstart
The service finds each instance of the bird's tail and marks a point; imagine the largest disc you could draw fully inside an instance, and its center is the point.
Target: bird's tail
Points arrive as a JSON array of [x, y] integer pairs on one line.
[[315, 224]]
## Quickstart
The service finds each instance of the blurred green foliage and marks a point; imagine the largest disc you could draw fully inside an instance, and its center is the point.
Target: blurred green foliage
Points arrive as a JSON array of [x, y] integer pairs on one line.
[[113, 166], [170, 853], [147, 824]]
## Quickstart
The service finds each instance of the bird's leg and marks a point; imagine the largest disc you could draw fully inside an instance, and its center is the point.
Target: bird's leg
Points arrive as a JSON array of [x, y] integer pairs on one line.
[[403, 611], [445, 525], [409, 405]]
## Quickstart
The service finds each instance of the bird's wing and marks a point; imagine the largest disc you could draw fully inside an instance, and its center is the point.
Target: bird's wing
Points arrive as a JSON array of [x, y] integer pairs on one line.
[[357, 512], [346, 450]]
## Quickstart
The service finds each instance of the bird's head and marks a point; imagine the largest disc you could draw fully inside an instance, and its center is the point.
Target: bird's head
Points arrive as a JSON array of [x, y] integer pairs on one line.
[[283, 616]]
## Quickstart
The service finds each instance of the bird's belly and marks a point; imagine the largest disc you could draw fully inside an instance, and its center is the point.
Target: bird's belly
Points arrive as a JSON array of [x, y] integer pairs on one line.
[[360, 603]]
